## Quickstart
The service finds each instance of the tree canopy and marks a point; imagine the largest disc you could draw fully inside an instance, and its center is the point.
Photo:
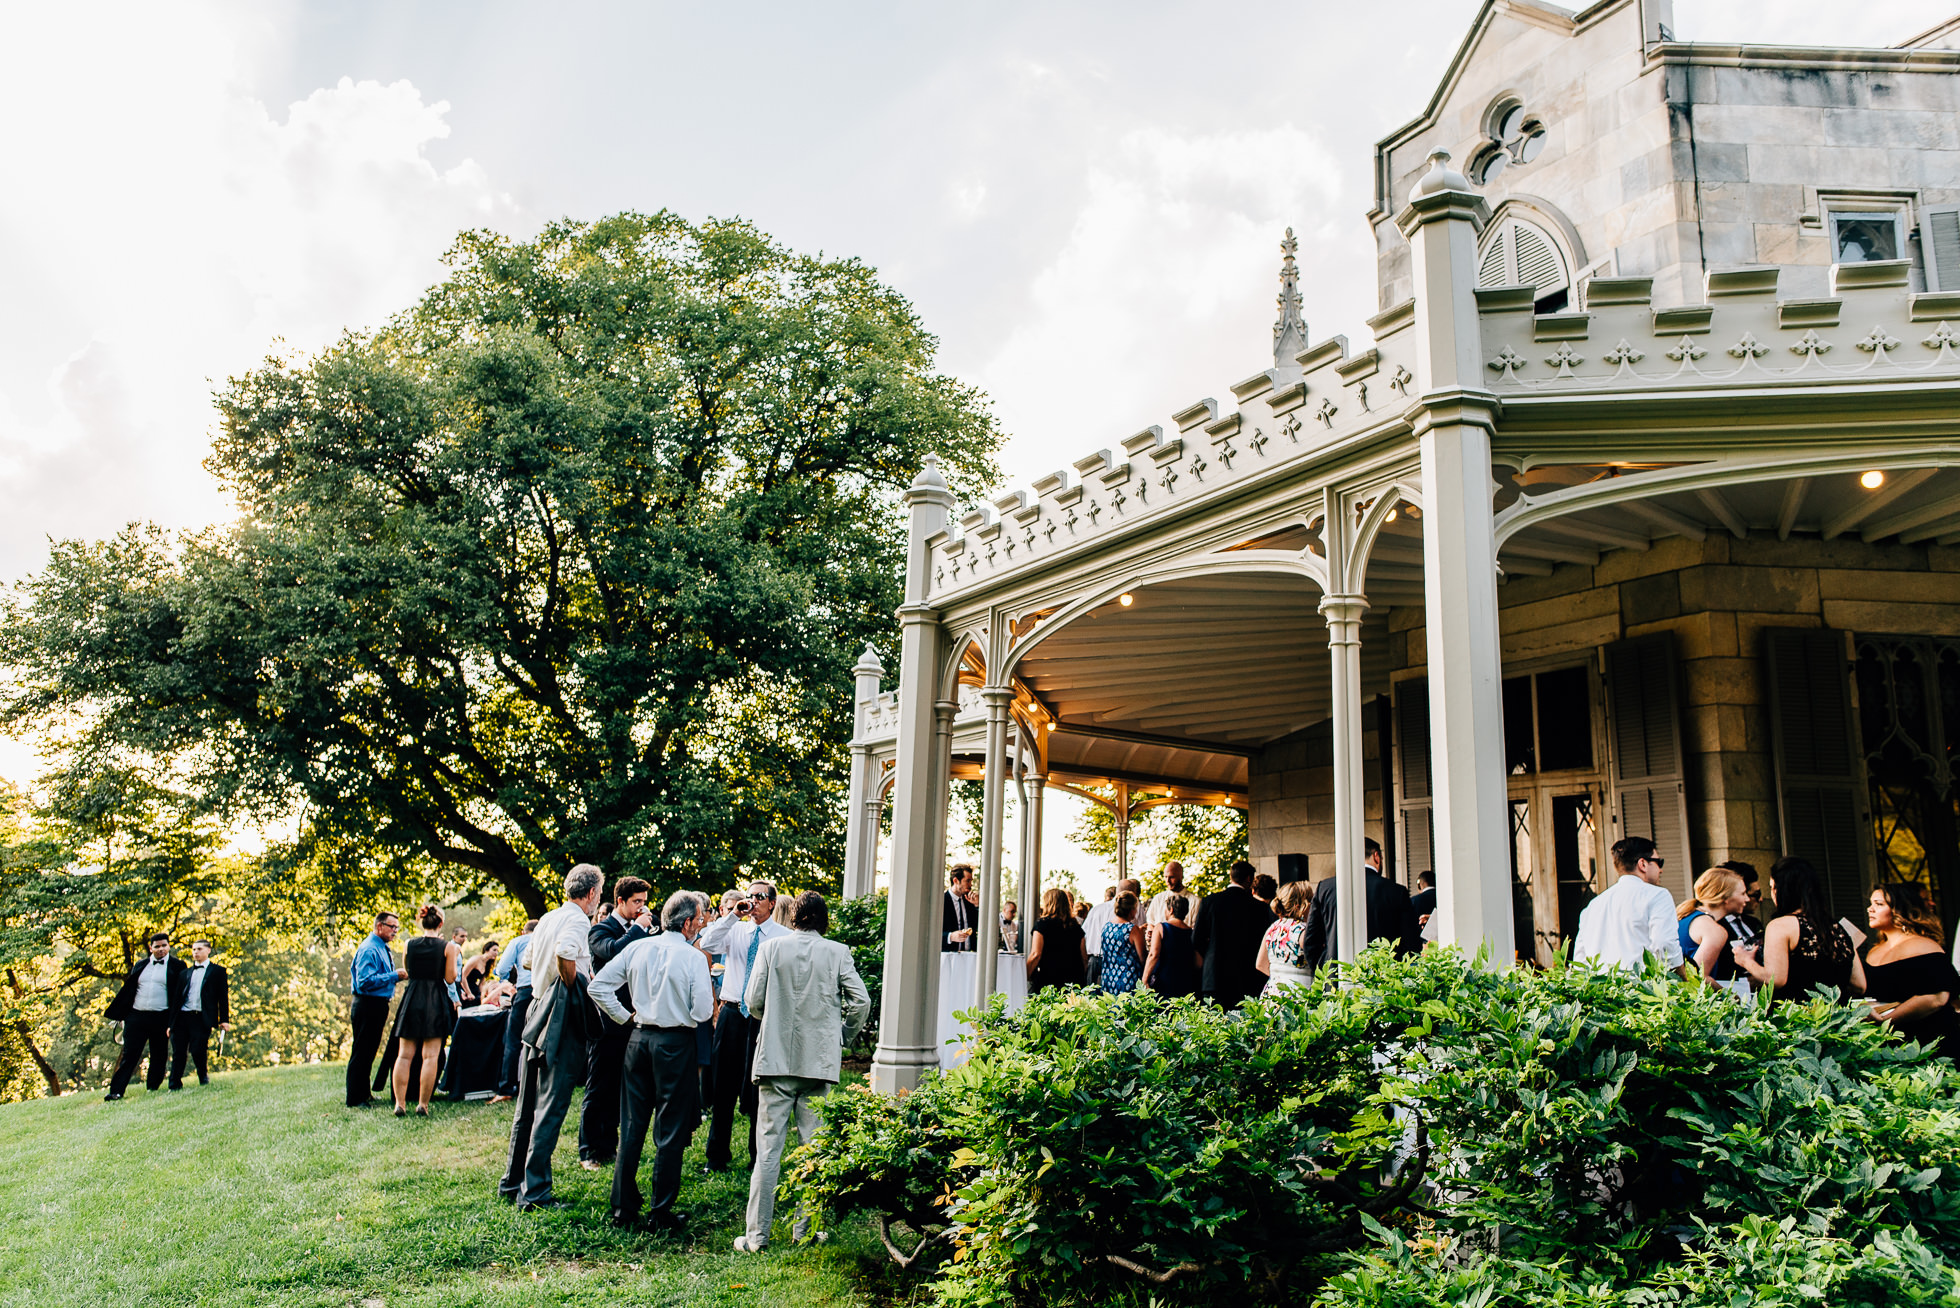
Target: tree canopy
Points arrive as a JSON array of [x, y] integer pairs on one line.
[[570, 561]]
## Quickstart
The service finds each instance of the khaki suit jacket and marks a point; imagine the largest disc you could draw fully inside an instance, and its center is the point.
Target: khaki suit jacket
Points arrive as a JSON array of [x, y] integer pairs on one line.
[[811, 1001]]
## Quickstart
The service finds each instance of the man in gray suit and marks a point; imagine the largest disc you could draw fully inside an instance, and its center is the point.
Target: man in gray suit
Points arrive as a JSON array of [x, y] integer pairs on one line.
[[552, 1056], [811, 1001]]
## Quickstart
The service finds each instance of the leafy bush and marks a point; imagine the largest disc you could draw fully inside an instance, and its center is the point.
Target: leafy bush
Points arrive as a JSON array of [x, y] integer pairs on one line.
[[1426, 1133], [860, 923]]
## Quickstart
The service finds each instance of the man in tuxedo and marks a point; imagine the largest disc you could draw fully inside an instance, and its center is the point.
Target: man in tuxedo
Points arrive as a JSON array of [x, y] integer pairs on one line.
[[958, 916], [1227, 940], [1389, 914], [153, 990], [207, 1005], [598, 1121], [1423, 902]]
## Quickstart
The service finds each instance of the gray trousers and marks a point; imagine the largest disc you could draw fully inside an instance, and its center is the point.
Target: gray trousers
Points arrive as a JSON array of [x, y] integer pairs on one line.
[[780, 1100], [545, 1086]]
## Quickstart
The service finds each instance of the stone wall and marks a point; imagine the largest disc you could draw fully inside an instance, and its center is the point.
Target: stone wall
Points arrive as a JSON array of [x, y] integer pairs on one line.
[[1669, 167], [1291, 809], [1717, 595]]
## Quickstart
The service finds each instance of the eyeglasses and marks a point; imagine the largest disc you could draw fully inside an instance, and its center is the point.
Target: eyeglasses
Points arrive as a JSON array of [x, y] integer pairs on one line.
[[1657, 860]]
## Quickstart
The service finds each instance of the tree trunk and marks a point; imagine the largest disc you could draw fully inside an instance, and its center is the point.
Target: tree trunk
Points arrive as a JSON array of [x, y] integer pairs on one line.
[[26, 1034]]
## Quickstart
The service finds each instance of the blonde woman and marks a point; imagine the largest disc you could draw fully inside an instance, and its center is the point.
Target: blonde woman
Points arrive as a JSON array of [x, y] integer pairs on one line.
[[1719, 893], [1057, 955]]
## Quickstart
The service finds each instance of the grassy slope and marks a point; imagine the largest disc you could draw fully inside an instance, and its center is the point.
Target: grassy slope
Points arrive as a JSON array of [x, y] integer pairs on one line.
[[260, 1188]]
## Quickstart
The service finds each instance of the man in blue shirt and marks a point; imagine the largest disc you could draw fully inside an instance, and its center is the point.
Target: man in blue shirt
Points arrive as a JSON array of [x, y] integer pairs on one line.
[[512, 968], [375, 975]]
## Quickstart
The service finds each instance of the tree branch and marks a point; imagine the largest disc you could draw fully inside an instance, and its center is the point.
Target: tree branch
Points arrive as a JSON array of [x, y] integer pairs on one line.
[[1168, 1274]]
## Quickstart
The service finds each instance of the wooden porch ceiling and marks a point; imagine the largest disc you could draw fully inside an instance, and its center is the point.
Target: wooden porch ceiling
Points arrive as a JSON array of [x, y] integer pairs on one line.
[[1229, 662]]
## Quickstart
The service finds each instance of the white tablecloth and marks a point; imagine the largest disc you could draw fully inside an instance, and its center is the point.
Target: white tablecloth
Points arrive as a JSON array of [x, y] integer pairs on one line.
[[956, 975]]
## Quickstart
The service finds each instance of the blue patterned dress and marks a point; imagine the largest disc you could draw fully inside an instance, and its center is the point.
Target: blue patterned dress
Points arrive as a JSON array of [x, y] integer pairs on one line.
[[1120, 967]]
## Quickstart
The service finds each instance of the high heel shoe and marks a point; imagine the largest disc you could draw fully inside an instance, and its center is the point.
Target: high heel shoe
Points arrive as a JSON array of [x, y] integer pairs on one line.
[[401, 1112], [422, 1110]]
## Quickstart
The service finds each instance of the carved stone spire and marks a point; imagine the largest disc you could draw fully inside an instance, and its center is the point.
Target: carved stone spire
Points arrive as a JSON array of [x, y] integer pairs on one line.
[[1290, 332]]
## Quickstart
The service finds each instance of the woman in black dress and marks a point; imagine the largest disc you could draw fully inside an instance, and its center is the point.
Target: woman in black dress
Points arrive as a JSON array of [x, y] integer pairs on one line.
[[469, 985], [1057, 953], [1802, 949], [1172, 968], [426, 1014], [1907, 971]]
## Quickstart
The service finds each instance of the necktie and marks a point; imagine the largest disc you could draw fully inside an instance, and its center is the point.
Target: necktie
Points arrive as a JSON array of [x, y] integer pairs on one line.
[[748, 970]]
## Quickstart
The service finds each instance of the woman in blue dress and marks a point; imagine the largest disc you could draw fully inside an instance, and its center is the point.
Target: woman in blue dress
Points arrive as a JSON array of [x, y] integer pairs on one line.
[[1122, 947]]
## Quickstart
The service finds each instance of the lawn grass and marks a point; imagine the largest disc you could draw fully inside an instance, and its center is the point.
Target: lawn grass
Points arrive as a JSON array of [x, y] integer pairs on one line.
[[261, 1188]]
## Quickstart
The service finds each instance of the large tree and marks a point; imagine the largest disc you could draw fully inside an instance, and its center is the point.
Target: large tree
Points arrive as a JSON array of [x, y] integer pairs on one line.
[[570, 561]]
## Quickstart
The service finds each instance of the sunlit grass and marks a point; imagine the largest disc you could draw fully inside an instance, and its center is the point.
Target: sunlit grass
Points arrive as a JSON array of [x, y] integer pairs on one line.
[[261, 1188]]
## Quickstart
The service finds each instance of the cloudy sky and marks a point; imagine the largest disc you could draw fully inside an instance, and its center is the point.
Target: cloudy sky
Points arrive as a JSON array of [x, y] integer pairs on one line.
[[1082, 200]]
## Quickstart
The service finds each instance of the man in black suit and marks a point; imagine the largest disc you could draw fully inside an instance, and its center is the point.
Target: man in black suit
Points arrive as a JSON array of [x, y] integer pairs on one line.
[[153, 990], [605, 1058], [1389, 916], [957, 916], [1227, 939], [206, 1006], [1423, 902]]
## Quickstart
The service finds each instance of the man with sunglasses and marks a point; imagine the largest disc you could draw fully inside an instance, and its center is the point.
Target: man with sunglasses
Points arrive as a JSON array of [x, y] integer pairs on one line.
[[738, 937], [1634, 917]]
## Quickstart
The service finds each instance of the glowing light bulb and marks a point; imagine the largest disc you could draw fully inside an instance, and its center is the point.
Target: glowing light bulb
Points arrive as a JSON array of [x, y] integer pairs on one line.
[[1126, 599], [1872, 480], [1390, 517]]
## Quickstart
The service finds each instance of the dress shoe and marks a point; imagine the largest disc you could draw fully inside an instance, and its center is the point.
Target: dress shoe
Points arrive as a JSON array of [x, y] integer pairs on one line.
[[111, 1097], [669, 1224], [749, 1244], [547, 1204]]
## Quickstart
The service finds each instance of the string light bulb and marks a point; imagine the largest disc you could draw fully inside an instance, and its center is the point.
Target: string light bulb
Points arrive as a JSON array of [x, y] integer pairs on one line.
[[1390, 517], [1872, 480], [1126, 599]]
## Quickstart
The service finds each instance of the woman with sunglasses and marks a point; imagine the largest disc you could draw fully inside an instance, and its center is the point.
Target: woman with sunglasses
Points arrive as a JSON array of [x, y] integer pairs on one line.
[[1802, 949]]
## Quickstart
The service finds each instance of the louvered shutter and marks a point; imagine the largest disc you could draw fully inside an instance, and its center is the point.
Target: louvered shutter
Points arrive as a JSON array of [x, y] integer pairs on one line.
[[1939, 241], [1649, 794], [1538, 263], [1415, 809], [1493, 270], [1819, 786]]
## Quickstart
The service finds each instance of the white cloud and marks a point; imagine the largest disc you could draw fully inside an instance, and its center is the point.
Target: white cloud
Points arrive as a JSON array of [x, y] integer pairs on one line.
[[163, 229], [1163, 289]]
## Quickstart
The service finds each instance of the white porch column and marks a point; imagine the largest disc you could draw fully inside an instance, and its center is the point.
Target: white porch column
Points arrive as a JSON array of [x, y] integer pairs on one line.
[[908, 1024], [861, 820], [1122, 830], [1466, 727], [993, 796], [1343, 613]]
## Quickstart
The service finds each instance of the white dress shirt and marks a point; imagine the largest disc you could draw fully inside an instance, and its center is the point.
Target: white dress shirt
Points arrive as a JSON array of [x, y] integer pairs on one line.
[[729, 937], [1092, 927], [194, 992], [1629, 919], [1159, 911], [153, 986], [561, 933], [668, 981]]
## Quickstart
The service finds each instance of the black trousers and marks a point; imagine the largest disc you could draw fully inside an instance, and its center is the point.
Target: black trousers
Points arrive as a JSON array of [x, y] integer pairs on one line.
[[657, 1088], [598, 1117], [734, 1056], [190, 1033], [141, 1032], [369, 1018], [520, 1008]]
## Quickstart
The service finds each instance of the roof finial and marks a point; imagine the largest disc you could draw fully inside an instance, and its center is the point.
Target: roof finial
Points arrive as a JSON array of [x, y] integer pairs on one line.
[[1290, 332]]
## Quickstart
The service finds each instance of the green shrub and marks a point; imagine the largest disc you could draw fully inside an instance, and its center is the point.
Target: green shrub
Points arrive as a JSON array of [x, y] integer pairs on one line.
[[1426, 1133], [860, 924]]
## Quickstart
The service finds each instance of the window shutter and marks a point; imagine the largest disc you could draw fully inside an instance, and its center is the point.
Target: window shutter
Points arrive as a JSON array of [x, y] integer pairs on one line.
[[1819, 787], [1415, 808], [1939, 241], [1492, 271], [1649, 793]]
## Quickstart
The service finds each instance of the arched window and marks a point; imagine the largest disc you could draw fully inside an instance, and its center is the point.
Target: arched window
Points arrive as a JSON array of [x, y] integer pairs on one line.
[[1518, 252], [1514, 138]]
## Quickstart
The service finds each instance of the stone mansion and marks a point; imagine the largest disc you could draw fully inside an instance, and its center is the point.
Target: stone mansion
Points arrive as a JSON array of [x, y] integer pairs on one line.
[[1638, 514]]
